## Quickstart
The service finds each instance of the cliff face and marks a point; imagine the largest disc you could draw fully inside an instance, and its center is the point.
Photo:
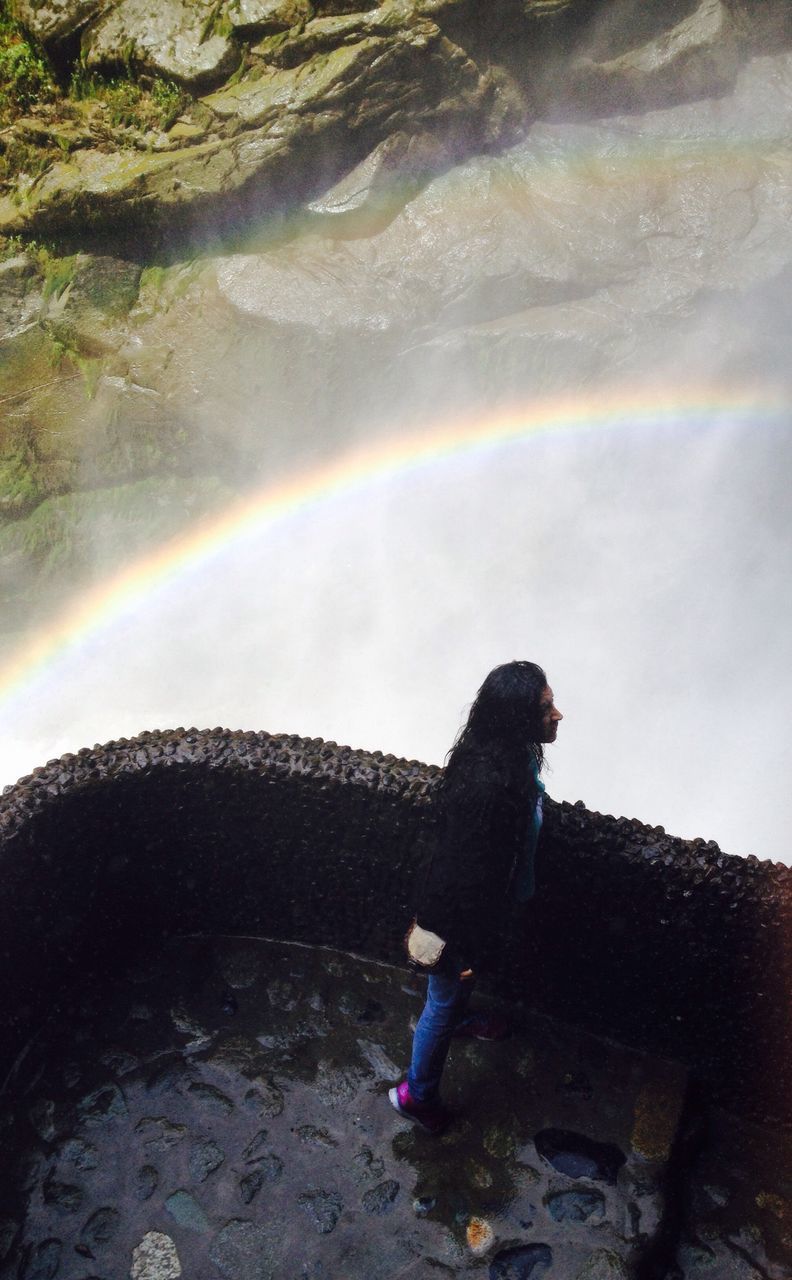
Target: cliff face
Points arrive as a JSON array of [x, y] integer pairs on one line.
[[279, 98], [244, 224]]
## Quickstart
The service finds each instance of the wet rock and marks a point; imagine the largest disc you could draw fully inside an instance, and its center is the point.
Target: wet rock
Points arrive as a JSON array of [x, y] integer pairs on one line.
[[268, 1168], [81, 1154], [423, 1206], [167, 1077], [243, 1250], [205, 1157], [267, 15], [159, 1134], [265, 1098], [576, 1206], [8, 1234], [366, 1165], [380, 1198], [52, 20], [696, 57], [315, 1137], [119, 1061], [239, 963], [211, 1098], [383, 1066], [155, 1258], [524, 1262], [185, 1210], [146, 1182], [578, 1156], [41, 1261], [479, 1235], [63, 1196], [372, 1011], [102, 1105], [657, 1110], [187, 1026], [281, 995], [176, 40], [604, 1264], [501, 1141], [42, 1118], [323, 1208], [101, 1227]]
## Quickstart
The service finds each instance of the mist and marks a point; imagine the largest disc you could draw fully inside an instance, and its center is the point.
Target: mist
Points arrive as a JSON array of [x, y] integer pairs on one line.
[[643, 560]]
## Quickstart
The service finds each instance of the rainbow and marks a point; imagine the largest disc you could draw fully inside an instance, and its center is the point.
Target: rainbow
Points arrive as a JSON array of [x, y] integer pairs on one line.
[[109, 601]]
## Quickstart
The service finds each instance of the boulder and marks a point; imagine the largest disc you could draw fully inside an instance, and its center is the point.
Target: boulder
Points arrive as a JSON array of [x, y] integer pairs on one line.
[[178, 39], [266, 15], [696, 58], [55, 19]]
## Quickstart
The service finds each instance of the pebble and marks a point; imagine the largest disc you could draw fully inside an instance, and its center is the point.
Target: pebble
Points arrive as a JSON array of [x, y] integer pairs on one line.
[[205, 1157], [102, 1105], [323, 1208], [101, 1227], [578, 1156], [576, 1206], [211, 1098], [185, 1210], [524, 1262], [155, 1258], [146, 1182], [380, 1198], [480, 1236], [41, 1261], [243, 1250]]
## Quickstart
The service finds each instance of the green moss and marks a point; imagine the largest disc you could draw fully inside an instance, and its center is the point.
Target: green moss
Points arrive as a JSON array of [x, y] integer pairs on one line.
[[58, 274], [25, 77], [91, 370], [18, 485], [130, 102]]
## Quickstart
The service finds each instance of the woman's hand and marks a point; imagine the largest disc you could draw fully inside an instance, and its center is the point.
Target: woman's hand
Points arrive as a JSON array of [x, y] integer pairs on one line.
[[465, 975]]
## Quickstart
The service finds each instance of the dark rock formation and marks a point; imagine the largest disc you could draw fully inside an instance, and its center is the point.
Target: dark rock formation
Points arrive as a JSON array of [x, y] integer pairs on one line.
[[665, 944]]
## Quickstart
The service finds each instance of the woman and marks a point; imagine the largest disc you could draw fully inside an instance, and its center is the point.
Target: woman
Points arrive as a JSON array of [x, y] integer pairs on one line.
[[491, 812]]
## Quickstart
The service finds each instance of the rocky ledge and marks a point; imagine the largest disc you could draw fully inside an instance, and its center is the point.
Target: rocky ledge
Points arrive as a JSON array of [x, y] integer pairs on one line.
[[280, 96], [222, 1111]]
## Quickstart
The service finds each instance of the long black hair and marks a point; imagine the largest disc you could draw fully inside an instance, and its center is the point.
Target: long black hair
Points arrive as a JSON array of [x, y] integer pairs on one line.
[[504, 726]]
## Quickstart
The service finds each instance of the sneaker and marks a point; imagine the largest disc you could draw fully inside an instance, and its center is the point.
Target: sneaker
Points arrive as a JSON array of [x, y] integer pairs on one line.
[[484, 1026], [431, 1116]]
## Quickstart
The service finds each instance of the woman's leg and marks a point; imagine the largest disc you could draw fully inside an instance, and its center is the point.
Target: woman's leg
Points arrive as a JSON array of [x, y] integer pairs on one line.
[[446, 1001]]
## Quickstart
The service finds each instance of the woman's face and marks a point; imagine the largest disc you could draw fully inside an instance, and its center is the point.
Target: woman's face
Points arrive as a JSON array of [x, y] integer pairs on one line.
[[550, 715]]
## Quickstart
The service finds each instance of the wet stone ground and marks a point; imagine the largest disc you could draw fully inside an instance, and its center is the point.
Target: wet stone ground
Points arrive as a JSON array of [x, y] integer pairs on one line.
[[220, 1112]]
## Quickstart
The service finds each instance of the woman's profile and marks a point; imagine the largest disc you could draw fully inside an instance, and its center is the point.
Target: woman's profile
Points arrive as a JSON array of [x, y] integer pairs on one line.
[[490, 816]]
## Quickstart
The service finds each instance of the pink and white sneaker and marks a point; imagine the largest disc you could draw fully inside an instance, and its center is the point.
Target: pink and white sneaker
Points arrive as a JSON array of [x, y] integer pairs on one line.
[[431, 1116]]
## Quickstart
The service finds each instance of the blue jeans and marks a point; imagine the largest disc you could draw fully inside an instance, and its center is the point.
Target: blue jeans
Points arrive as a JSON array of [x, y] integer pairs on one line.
[[446, 1002]]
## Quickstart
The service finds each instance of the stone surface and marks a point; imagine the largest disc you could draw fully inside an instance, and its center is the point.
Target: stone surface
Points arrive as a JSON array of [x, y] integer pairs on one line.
[[698, 57], [335, 1183], [54, 19], [175, 38]]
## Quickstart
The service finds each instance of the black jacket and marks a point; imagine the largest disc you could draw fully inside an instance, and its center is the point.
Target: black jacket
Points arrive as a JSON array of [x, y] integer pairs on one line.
[[485, 814]]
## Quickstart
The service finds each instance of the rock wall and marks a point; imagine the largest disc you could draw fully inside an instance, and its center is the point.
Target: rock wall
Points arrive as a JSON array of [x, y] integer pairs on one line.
[[284, 95], [664, 944]]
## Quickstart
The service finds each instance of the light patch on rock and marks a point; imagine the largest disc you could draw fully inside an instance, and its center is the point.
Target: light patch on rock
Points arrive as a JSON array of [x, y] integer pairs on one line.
[[155, 1258], [479, 1236]]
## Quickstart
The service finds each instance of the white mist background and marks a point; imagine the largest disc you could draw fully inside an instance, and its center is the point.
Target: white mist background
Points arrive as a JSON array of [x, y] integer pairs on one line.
[[644, 567]]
